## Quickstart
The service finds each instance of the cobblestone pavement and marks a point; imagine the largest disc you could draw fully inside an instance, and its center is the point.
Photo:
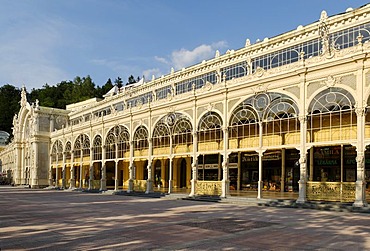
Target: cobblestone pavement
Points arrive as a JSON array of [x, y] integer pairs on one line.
[[65, 220]]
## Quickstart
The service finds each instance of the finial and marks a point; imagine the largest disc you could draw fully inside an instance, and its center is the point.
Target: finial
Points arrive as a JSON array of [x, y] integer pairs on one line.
[[217, 55], [247, 42]]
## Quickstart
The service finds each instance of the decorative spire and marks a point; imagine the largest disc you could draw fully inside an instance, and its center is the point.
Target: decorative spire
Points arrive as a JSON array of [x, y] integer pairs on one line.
[[23, 96], [324, 34]]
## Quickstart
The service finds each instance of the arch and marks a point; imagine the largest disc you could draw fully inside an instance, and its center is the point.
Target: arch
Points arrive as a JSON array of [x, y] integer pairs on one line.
[[110, 146], [81, 147], [117, 142], [182, 131], [331, 99], [175, 125], [68, 150], [331, 116], [161, 134], [140, 138], [279, 116], [281, 107], [243, 114], [57, 151], [210, 131], [23, 124], [243, 124], [209, 121], [123, 141], [97, 147], [86, 146], [281, 124]]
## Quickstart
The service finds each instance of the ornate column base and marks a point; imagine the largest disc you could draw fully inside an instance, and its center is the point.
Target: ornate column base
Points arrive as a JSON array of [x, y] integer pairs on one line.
[[193, 184], [149, 186], [225, 188], [302, 198], [115, 185], [360, 194], [103, 185], [90, 185], [130, 186], [72, 184], [170, 185]]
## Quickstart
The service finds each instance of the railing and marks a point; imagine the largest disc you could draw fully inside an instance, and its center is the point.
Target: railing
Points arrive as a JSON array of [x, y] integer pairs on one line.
[[208, 187], [331, 191]]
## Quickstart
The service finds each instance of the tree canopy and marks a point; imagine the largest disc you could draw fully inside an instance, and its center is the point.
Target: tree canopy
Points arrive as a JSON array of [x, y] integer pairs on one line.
[[10, 97], [56, 96]]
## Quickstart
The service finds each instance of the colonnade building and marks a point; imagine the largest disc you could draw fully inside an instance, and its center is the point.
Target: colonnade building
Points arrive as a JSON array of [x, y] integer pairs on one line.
[[286, 114]]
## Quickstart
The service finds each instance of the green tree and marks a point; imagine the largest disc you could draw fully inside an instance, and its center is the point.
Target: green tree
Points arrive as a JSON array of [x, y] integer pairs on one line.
[[118, 82], [100, 91], [10, 97], [81, 89], [131, 80]]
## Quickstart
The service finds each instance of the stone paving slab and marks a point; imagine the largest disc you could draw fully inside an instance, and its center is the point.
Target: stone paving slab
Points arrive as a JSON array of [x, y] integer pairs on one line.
[[65, 220]]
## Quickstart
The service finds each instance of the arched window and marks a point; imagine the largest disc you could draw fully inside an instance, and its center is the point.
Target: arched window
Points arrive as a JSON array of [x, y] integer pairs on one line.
[[177, 126], [161, 134], [67, 151], [97, 148], [86, 146], [82, 144], [123, 141], [182, 131], [210, 128], [110, 146], [332, 116], [278, 114], [118, 140], [243, 122], [77, 147], [57, 151], [140, 139], [281, 123]]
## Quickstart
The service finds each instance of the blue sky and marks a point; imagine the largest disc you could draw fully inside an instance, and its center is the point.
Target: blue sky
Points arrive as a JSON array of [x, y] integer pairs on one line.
[[49, 41]]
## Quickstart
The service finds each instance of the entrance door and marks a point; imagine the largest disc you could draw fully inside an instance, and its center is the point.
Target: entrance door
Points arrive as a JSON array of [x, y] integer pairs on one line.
[[183, 173], [157, 173]]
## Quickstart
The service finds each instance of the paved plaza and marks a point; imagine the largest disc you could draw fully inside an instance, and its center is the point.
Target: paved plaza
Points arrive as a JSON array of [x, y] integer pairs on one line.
[[65, 220]]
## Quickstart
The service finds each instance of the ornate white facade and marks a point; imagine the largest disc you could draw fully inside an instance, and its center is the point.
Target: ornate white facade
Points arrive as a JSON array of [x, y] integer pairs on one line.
[[287, 113]]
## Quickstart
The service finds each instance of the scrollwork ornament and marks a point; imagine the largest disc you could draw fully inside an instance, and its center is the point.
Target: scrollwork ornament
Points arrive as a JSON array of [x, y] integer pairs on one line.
[[360, 111], [170, 120], [259, 72], [210, 107], [302, 118], [331, 81]]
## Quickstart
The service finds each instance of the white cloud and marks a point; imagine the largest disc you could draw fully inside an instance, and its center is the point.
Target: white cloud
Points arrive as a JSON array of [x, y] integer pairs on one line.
[[184, 58], [150, 72], [161, 60]]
